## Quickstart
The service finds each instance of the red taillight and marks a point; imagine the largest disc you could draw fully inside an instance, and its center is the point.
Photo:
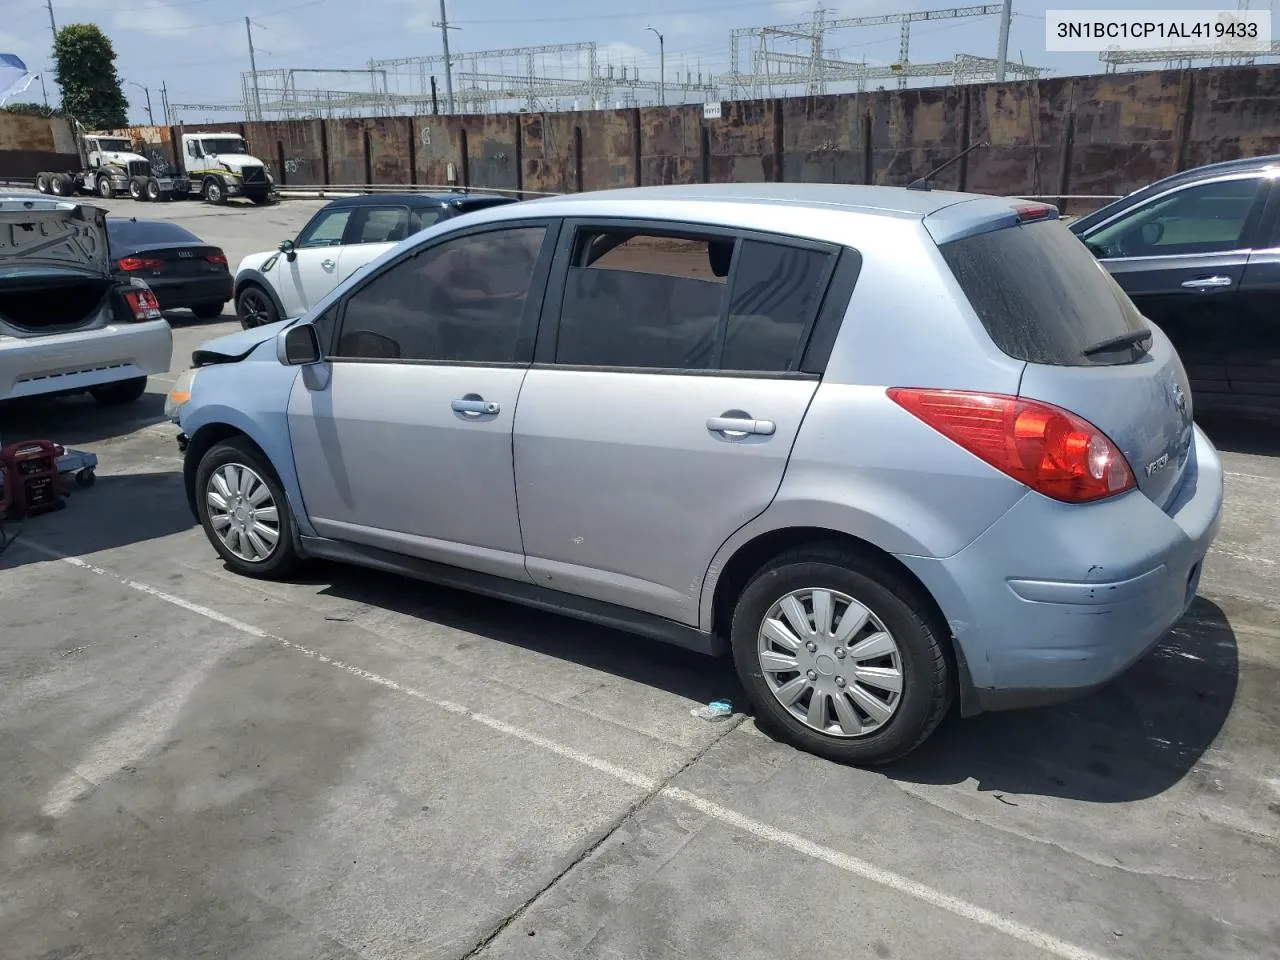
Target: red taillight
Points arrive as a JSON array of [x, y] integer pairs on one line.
[[131, 264], [142, 301], [218, 257], [1032, 211], [1051, 450]]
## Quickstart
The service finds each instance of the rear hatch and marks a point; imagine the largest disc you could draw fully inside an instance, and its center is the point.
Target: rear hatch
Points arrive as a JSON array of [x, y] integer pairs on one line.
[[1045, 299], [161, 261], [55, 267]]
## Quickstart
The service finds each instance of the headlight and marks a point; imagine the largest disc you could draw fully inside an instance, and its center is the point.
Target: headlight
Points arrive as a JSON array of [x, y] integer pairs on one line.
[[180, 394]]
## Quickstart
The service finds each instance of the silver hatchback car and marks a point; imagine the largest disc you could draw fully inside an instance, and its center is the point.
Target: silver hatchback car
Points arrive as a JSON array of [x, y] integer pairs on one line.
[[890, 447]]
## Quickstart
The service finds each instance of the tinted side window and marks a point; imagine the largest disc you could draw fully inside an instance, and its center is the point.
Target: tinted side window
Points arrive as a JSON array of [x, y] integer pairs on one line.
[[776, 292], [637, 300], [459, 301], [383, 225], [426, 217], [1041, 295], [1207, 218], [326, 229]]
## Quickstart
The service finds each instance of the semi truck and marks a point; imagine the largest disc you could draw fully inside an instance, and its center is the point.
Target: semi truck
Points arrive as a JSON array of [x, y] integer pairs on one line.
[[212, 166]]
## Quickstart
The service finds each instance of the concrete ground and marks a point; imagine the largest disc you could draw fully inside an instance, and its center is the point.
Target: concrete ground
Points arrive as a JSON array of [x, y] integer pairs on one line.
[[354, 765]]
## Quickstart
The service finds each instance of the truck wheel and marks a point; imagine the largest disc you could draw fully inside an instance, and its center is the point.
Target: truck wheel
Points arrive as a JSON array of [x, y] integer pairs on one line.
[[153, 189], [260, 201], [137, 189], [213, 192], [42, 183], [59, 186], [105, 190]]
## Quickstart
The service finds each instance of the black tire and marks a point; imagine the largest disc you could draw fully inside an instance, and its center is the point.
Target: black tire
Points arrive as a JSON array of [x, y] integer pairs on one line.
[[137, 189], [42, 183], [207, 311], [118, 394], [103, 188], [921, 639], [59, 185], [260, 201], [238, 450], [255, 307], [213, 192], [153, 191]]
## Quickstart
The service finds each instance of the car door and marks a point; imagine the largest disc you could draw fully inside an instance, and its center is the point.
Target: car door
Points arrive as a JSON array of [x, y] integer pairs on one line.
[[402, 435], [373, 231], [312, 272], [662, 406], [1253, 355], [1181, 257]]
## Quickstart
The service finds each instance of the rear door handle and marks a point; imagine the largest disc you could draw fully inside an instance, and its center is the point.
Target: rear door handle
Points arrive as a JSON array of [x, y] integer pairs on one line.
[[472, 406], [740, 427], [1208, 283]]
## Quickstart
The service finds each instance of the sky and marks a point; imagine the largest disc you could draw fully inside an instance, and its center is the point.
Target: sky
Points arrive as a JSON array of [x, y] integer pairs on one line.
[[199, 48]]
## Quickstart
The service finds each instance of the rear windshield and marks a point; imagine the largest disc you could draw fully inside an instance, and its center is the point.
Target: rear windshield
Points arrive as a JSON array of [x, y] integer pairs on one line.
[[127, 233], [466, 206], [1042, 296]]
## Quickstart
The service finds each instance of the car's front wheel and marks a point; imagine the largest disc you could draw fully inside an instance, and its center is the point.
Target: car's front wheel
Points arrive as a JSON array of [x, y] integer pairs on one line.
[[117, 394], [243, 510], [255, 308], [841, 656]]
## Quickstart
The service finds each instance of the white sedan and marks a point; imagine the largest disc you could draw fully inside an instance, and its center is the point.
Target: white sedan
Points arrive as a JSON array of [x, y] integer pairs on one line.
[[66, 323], [343, 236]]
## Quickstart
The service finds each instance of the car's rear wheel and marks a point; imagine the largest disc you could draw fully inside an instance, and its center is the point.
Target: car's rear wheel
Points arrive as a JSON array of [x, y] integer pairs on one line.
[[207, 311], [255, 308], [841, 656], [116, 394], [243, 510]]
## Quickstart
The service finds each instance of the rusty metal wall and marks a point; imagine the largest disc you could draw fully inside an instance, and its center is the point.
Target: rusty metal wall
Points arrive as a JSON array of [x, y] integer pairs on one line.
[[744, 146], [30, 145], [293, 150], [492, 152], [671, 145], [346, 151]]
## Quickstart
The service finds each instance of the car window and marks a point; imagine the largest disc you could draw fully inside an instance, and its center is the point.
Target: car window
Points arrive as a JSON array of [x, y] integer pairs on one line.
[[125, 232], [384, 225], [1041, 295], [326, 230], [458, 301], [641, 300], [425, 217], [1205, 218], [776, 293]]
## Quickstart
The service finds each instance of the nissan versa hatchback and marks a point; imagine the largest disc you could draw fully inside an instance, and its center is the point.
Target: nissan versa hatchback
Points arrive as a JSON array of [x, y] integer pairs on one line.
[[892, 448]]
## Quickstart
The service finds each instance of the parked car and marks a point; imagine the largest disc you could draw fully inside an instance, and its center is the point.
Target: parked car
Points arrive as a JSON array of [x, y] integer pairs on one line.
[[67, 322], [343, 236], [1199, 253], [889, 446], [178, 266]]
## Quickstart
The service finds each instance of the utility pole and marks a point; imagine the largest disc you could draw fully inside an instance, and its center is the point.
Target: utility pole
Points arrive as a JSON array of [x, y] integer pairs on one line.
[[253, 68], [443, 24], [164, 102], [662, 67], [52, 25], [43, 90], [1002, 50]]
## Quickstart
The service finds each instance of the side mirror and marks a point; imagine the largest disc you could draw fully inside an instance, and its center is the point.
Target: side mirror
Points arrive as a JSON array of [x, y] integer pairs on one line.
[[286, 247], [298, 345]]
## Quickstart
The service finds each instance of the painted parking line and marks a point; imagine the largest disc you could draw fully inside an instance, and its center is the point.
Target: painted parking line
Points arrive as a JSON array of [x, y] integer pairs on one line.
[[1038, 939]]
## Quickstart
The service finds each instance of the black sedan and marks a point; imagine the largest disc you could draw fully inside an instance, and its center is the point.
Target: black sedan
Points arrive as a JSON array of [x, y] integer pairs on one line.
[[1199, 253], [178, 266]]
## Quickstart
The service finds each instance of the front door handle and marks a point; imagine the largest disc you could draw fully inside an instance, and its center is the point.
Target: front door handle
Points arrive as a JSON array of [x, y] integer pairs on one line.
[[473, 406], [736, 427], [1208, 283], [328, 264]]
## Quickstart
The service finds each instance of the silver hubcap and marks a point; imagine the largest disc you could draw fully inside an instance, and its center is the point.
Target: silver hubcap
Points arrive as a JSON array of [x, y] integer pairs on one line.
[[831, 662], [242, 512]]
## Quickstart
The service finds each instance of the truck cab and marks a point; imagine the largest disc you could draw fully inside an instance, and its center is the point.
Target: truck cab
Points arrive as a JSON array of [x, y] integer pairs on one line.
[[111, 164], [220, 166]]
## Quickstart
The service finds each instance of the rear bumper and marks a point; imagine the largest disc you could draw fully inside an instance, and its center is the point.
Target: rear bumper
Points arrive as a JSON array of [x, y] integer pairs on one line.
[[34, 366], [187, 292], [1055, 600]]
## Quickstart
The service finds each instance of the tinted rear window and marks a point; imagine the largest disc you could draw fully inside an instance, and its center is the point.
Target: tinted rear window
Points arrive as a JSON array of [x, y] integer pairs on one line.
[[125, 233], [1041, 295], [467, 206]]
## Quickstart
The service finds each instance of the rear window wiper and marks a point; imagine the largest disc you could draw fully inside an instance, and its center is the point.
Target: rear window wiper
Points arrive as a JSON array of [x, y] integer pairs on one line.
[[1132, 339]]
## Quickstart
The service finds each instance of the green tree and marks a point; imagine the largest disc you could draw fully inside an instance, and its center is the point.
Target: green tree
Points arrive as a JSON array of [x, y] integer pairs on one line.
[[33, 110], [86, 70]]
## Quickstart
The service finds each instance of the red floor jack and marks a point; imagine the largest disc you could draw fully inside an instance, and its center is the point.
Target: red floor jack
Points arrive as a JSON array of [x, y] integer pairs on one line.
[[34, 473]]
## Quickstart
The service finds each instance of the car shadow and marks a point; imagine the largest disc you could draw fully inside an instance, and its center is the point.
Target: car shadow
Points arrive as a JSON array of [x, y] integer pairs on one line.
[[640, 660], [1242, 433], [1131, 740], [78, 419], [116, 511], [183, 319]]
